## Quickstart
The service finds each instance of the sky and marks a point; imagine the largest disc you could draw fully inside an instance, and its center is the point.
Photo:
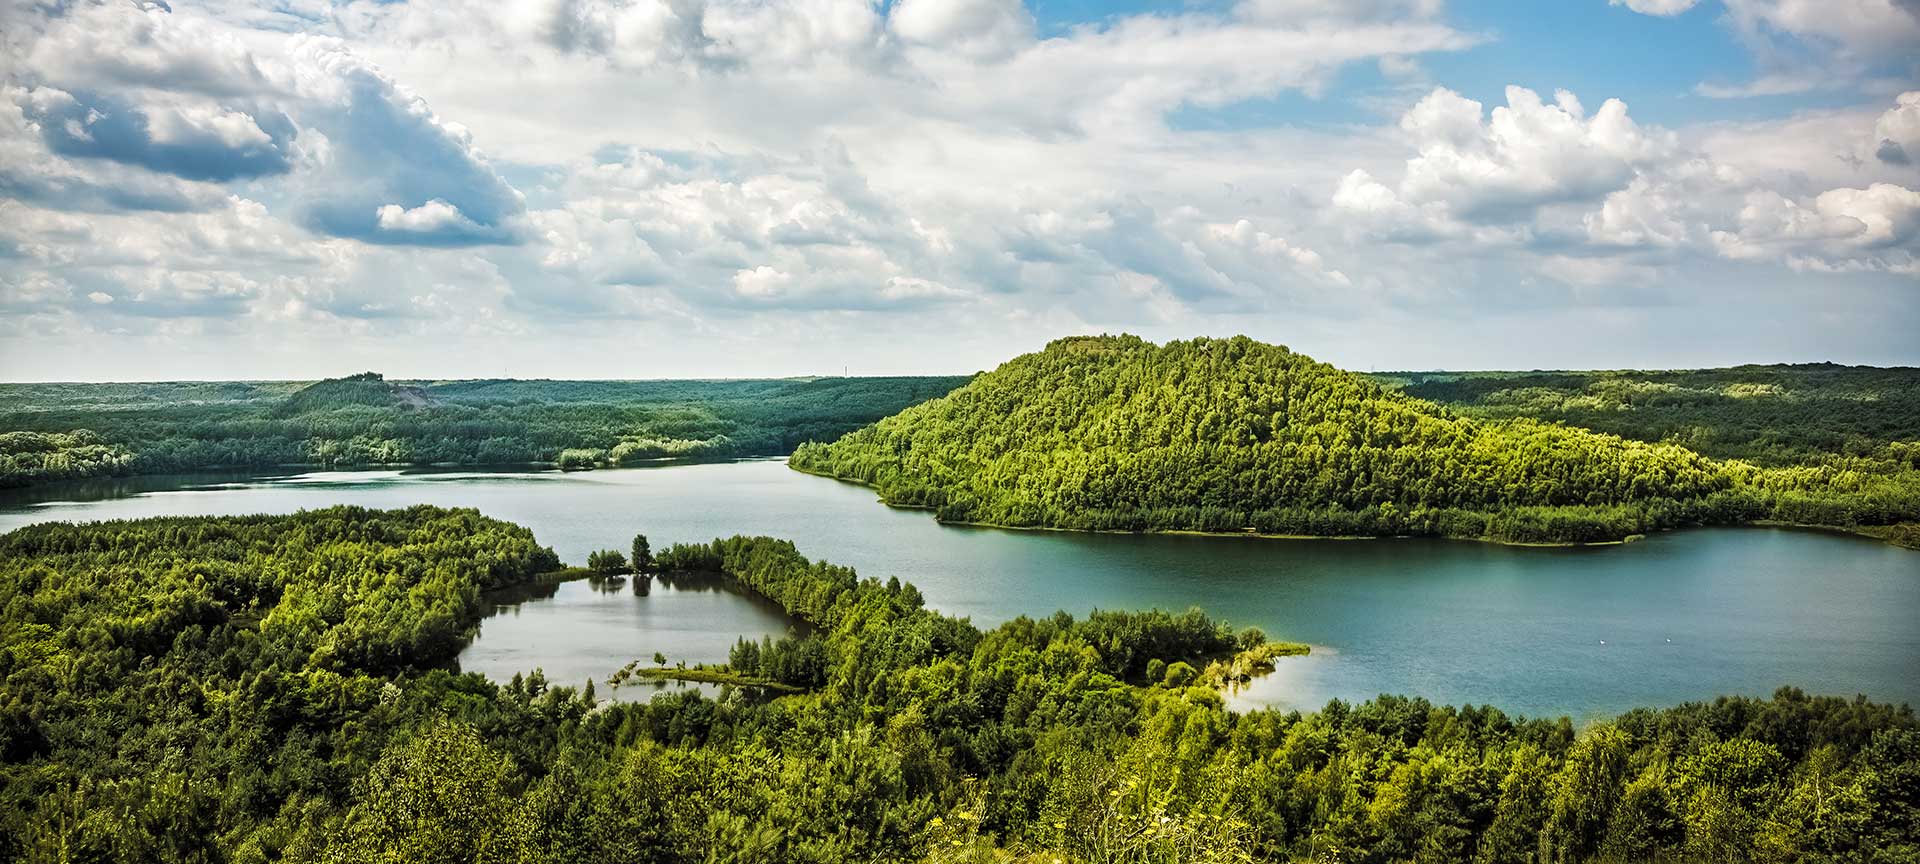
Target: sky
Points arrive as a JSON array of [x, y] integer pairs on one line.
[[733, 188]]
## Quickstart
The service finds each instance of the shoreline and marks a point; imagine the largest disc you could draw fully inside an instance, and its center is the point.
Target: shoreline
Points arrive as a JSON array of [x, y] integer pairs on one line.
[[1870, 532], [703, 676]]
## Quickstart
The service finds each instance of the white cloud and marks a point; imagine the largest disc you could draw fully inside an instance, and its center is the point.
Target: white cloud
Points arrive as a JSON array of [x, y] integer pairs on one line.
[[1340, 10], [757, 174], [1533, 175], [180, 123], [1803, 45], [432, 217], [1645, 213], [1840, 229], [1855, 29], [761, 282], [1480, 168], [1665, 8], [104, 45], [1896, 135], [987, 28]]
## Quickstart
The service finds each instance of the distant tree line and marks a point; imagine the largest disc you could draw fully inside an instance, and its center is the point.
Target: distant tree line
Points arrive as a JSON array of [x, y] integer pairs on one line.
[[80, 430]]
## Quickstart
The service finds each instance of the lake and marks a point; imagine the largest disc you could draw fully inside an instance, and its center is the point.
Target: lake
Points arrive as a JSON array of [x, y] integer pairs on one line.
[[1538, 631]]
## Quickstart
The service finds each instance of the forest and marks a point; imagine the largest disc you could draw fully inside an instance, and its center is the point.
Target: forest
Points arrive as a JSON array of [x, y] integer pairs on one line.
[[1116, 433], [1773, 415], [65, 431], [282, 688]]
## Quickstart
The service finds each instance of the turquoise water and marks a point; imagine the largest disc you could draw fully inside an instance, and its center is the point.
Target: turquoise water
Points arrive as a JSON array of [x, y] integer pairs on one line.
[[1583, 632]]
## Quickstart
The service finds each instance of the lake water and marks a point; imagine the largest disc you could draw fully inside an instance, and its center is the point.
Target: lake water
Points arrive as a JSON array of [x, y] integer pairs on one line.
[[1538, 631]]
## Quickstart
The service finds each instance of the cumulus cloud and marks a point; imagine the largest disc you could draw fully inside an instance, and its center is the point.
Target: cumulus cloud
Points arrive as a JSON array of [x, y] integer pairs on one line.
[[733, 169], [1476, 167], [387, 148], [1550, 177], [1897, 132], [192, 139], [179, 95], [1840, 229], [30, 171], [104, 45]]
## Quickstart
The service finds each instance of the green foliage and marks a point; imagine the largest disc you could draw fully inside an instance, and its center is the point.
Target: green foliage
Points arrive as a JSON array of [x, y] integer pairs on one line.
[[200, 689], [1769, 415], [642, 554], [607, 562], [1115, 433], [1232, 435], [367, 420], [579, 459], [442, 797], [257, 689], [367, 389], [27, 458]]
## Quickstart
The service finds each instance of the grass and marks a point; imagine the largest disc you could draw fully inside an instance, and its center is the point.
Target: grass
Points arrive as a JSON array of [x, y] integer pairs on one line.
[[701, 674]]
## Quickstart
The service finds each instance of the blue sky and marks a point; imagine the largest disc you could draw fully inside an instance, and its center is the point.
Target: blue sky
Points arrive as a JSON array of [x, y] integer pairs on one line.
[[639, 188]]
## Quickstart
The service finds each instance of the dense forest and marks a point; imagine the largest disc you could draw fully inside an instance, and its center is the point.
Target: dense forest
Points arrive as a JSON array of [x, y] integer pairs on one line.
[[280, 689], [61, 431], [1768, 415], [1116, 433]]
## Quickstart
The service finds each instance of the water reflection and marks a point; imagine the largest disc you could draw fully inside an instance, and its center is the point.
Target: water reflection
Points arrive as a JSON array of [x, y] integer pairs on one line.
[[583, 628]]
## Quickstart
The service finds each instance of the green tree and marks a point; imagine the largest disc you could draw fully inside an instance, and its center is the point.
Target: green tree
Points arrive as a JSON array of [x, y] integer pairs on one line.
[[441, 797], [607, 562], [642, 554]]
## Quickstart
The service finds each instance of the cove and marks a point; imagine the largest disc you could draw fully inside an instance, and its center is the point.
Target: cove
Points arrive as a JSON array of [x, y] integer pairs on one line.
[[1538, 631]]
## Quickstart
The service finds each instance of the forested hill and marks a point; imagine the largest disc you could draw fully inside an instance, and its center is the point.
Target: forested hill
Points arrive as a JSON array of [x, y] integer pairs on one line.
[[365, 390], [1234, 435], [58, 431]]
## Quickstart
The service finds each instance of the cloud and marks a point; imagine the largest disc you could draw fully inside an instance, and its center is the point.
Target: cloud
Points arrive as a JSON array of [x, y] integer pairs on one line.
[[108, 46], [194, 140], [1854, 29], [709, 35], [435, 217], [983, 28], [767, 174], [1480, 168], [178, 94], [1348, 11], [1897, 132], [1648, 212], [1552, 179], [385, 148], [1802, 45], [1663, 8], [1840, 229], [175, 294]]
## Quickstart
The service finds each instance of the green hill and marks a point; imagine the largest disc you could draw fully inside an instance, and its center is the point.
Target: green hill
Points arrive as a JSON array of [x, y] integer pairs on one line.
[[1116, 433], [365, 390]]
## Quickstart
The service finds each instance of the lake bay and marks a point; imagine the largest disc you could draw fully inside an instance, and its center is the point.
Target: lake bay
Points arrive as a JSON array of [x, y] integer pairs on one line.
[[1539, 631]]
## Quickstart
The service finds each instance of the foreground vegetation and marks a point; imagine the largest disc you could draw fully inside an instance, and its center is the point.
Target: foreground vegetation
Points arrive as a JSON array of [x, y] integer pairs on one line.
[[280, 689], [62, 431], [1115, 433]]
